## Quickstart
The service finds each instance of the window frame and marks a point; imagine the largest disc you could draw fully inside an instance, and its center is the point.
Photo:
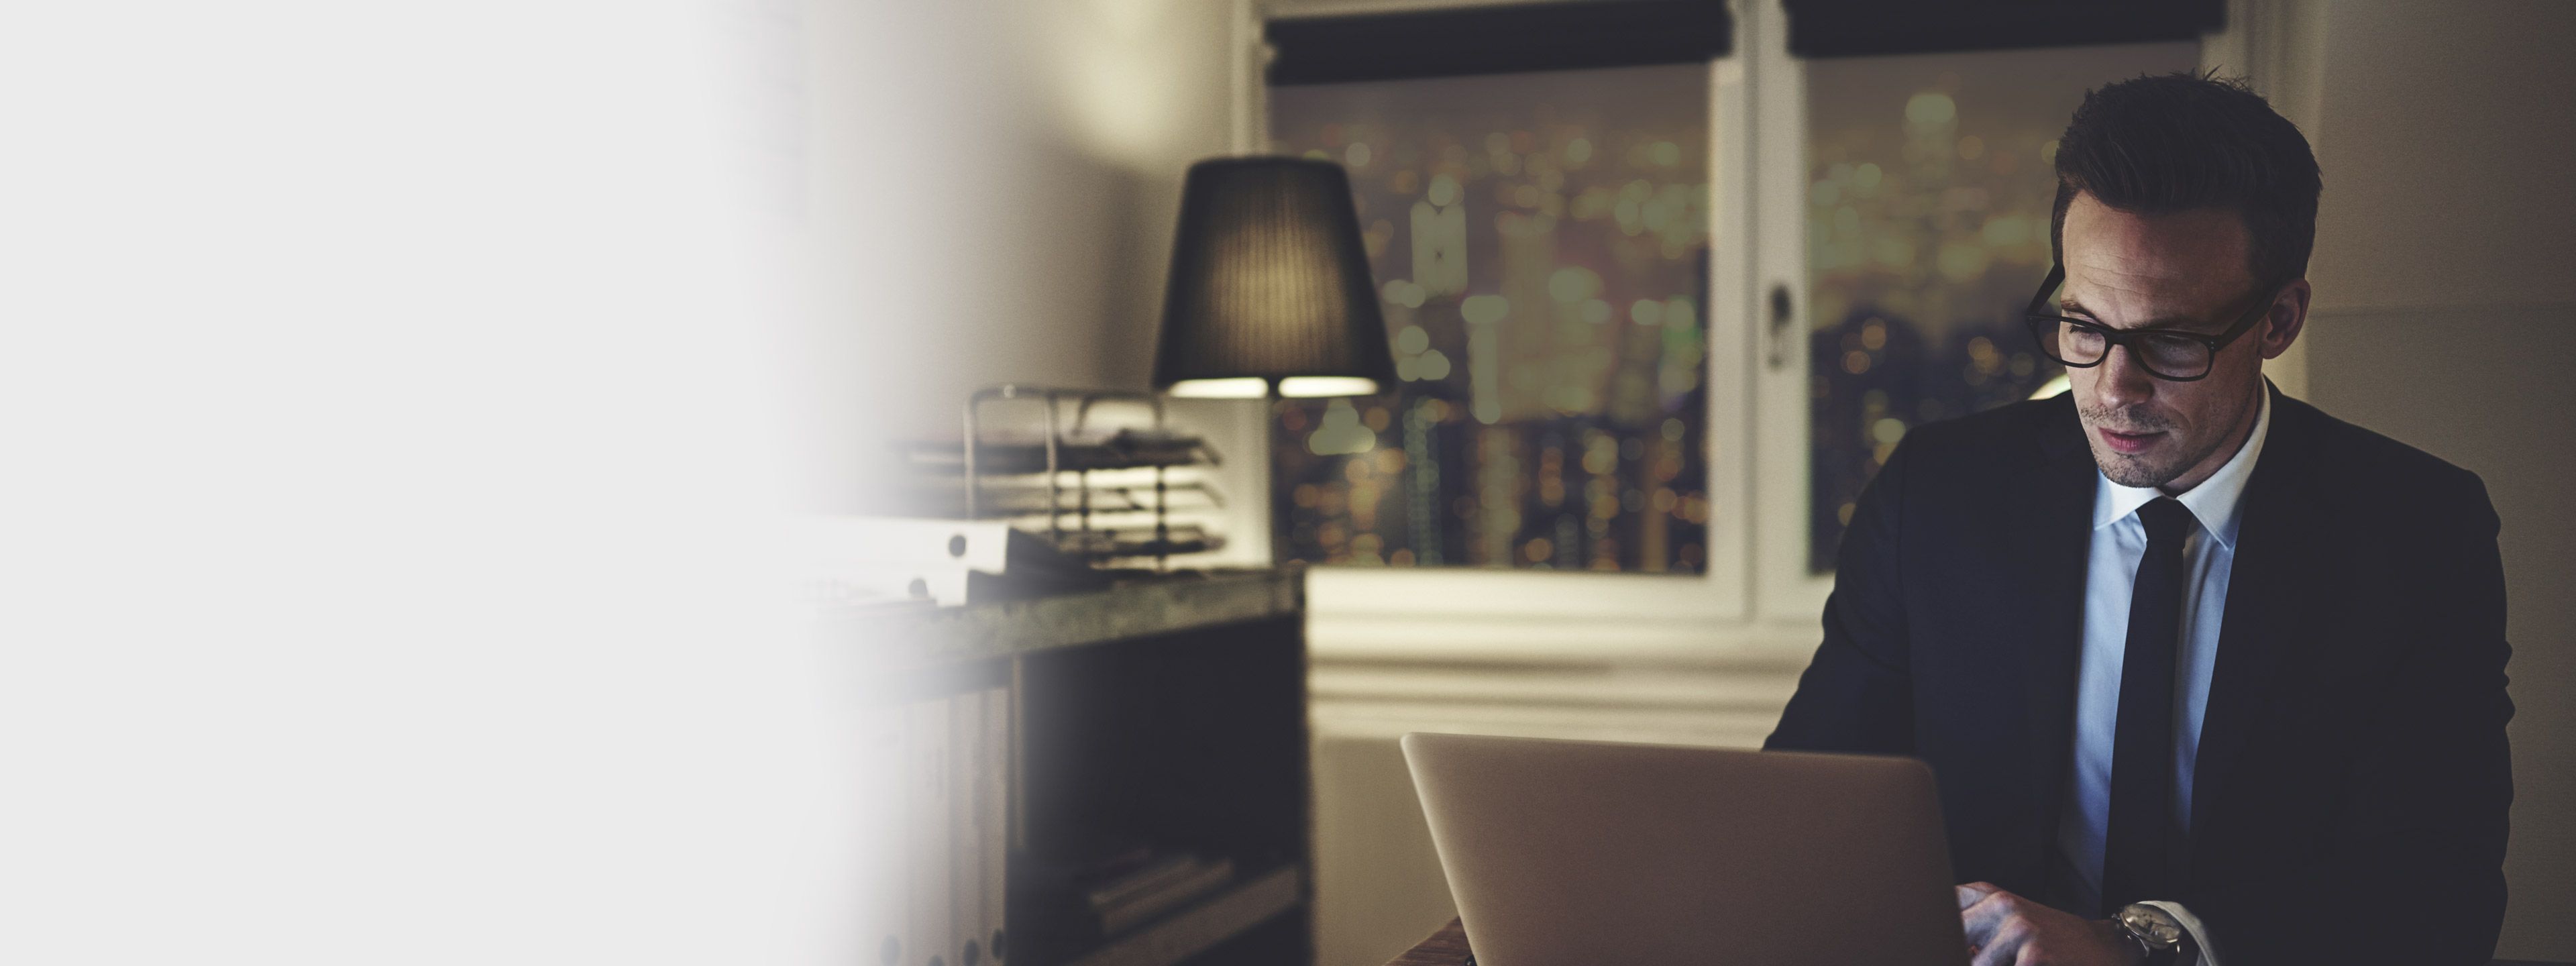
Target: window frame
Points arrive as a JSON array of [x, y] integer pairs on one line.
[[1494, 611]]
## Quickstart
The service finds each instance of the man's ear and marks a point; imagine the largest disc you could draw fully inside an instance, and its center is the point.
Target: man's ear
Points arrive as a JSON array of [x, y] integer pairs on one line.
[[2289, 315]]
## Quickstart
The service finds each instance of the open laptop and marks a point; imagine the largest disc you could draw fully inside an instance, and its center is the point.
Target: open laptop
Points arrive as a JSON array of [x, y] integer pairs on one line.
[[1564, 852]]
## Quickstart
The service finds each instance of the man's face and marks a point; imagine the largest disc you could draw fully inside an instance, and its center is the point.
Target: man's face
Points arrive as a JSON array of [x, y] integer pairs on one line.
[[2185, 271]]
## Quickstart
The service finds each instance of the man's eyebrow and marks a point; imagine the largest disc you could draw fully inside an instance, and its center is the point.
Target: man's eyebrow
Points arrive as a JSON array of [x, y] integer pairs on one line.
[[2069, 306]]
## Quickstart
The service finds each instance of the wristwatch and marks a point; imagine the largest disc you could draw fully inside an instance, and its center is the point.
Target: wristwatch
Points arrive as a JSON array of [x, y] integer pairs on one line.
[[2159, 936]]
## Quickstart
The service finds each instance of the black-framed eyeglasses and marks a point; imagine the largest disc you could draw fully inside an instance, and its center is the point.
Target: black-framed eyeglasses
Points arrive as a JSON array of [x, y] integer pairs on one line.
[[2165, 353]]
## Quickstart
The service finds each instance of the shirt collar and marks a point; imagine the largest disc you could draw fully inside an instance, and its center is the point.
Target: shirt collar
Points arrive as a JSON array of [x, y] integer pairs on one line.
[[2215, 502]]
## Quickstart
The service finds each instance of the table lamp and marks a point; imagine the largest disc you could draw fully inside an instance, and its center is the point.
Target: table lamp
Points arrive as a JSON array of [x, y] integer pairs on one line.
[[1270, 292]]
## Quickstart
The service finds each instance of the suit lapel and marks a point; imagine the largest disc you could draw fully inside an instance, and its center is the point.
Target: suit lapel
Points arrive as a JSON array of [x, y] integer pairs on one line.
[[2266, 597], [2051, 539]]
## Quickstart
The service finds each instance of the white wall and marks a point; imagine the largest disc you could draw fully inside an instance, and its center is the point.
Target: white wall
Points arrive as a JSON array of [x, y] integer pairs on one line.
[[2445, 316], [993, 186]]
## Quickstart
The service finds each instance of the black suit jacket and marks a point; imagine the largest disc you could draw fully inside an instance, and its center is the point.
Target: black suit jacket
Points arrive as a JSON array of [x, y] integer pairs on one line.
[[2350, 798]]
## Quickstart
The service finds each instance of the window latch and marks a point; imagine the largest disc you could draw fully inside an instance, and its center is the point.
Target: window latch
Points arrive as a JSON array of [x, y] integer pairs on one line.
[[1779, 352]]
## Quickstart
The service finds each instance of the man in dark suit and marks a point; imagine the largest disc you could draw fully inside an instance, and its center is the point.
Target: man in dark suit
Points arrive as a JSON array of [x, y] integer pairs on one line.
[[2204, 673]]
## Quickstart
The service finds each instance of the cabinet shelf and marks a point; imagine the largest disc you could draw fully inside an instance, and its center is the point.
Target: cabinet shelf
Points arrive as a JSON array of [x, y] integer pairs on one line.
[[1164, 711], [1199, 927]]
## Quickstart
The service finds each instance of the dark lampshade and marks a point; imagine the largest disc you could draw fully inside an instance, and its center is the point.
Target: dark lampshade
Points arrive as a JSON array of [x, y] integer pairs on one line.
[[1270, 286]]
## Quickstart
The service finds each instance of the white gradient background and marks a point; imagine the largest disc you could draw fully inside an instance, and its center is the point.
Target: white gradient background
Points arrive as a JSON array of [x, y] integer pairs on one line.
[[398, 417]]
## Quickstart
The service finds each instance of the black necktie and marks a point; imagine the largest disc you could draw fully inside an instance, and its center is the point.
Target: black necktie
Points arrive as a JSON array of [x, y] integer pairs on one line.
[[2145, 837]]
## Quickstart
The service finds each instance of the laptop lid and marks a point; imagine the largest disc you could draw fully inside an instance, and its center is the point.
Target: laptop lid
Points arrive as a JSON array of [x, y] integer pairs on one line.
[[1561, 852]]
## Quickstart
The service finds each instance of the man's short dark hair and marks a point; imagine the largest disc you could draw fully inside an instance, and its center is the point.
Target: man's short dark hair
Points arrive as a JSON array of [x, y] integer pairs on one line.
[[2156, 145]]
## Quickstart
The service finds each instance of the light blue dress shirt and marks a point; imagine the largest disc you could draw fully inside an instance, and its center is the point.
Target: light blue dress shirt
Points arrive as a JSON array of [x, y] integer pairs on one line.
[[2209, 555]]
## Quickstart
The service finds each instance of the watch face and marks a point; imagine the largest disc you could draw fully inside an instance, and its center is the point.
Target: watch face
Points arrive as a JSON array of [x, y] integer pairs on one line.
[[2156, 925]]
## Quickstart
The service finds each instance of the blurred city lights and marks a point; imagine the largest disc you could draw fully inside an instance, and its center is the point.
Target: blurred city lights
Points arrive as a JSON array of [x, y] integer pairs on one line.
[[1522, 214]]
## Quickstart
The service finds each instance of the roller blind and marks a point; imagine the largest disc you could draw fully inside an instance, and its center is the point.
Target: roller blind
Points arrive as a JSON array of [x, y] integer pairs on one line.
[[1503, 38], [1858, 28]]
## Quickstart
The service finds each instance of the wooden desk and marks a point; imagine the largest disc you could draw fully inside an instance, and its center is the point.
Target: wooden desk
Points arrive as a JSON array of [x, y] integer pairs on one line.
[[1448, 947]]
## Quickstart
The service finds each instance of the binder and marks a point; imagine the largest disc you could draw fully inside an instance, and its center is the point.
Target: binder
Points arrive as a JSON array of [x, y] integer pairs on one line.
[[884, 764], [966, 838], [928, 806], [996, 830]]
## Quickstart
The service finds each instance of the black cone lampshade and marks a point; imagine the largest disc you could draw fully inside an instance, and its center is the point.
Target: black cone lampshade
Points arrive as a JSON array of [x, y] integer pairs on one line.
[[1270, 289]]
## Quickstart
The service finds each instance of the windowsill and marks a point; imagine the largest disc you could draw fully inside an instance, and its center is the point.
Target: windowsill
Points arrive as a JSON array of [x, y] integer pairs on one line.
[[1520, 593], [1666, 658], [1720, 686], [1550, 617]]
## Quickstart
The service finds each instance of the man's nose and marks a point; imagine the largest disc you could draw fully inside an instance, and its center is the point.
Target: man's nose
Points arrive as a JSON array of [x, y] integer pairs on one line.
[[2123, 381]]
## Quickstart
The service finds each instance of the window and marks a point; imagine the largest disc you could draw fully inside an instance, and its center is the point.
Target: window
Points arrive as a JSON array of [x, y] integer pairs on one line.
[[1864, 191], [1540, 243], [1928, 196]]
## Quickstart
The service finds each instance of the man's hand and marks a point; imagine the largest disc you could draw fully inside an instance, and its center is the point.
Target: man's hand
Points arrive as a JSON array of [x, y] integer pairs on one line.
[[2004, 928]]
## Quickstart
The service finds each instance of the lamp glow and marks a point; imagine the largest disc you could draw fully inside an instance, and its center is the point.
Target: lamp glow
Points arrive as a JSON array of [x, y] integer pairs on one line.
[[1314, 387], [1242, 387]]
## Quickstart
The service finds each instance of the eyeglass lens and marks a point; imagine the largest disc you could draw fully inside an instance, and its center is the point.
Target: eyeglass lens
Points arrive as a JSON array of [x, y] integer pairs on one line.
[[2164, 355]]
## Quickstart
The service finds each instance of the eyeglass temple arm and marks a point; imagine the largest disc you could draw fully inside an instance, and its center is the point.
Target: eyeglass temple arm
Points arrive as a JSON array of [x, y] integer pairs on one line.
[[2056, 274]]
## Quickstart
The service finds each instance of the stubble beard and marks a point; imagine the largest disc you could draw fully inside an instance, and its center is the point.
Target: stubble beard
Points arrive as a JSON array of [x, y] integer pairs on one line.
[[2139, 469], [2134, 471]]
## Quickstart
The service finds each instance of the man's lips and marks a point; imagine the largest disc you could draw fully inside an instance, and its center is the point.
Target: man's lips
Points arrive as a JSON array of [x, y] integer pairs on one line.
[[2129, 442]]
